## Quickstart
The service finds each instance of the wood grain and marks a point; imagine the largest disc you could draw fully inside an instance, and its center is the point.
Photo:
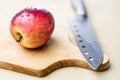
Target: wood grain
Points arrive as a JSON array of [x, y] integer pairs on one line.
[[57, 53]]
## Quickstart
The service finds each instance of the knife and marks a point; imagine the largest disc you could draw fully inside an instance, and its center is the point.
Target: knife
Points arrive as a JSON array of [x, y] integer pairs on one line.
[[85, 36]]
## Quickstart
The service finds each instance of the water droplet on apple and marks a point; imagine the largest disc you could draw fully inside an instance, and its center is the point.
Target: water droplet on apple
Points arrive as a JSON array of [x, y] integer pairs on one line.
[[22, 15], [28, 15], [29, 19]]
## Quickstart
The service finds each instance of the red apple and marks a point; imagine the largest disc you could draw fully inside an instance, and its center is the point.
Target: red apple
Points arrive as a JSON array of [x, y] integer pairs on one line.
[[32, 27]]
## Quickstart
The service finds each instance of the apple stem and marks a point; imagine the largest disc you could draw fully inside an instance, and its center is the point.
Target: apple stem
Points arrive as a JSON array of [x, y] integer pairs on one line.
[[19, 37]]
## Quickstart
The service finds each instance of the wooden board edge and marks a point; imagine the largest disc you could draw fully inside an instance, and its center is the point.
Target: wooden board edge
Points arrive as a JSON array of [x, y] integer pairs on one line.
[[52, 67]]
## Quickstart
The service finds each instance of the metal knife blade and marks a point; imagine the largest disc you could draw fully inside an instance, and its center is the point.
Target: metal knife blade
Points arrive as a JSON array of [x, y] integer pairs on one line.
[[85, 36]]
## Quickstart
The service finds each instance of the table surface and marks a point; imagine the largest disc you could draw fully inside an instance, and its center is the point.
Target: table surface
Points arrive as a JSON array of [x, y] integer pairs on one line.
[[105, 18]]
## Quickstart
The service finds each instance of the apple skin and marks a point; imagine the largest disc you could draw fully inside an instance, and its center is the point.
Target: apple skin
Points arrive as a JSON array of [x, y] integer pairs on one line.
[[32, 27]]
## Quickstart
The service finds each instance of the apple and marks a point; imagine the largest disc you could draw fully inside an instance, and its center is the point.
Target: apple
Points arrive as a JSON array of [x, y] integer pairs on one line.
[[32, 27]]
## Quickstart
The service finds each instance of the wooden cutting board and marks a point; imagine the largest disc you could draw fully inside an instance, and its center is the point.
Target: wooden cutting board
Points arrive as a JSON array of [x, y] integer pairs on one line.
[[58, 52]]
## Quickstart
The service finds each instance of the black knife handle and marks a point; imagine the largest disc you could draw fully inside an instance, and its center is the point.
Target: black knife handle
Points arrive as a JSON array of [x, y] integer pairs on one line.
[[78, 5]]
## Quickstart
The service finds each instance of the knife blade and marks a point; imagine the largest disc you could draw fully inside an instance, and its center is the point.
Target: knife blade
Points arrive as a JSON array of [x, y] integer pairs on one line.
[[85, 36]]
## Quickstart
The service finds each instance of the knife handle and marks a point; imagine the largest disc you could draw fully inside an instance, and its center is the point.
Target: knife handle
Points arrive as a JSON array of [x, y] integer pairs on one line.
[[79, 7]]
